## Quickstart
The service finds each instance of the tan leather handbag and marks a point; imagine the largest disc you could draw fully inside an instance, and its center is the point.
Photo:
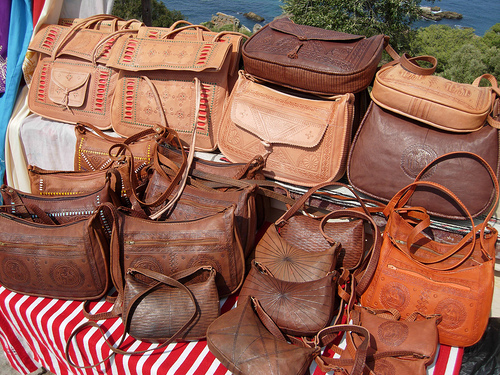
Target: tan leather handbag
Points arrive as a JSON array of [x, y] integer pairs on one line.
[[71, 81], [406, 88], [305, 140], [182, 84], [436, 274]]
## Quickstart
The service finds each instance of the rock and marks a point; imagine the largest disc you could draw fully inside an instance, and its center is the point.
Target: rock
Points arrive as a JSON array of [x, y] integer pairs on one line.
[[222, 19], [435, 9], [451, 15], [431, 14], [254, 17], [256, 27]]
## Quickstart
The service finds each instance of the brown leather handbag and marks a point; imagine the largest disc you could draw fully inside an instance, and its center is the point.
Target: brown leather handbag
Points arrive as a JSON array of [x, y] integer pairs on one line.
[[312, 59], [161, 308], [419, 272], [72, 81], [58, 209], [406, 88], [245, 346], [297, 308], [304, 140], [389, 151], [170, 246], [63, 261], [183, 84], [398, 346]]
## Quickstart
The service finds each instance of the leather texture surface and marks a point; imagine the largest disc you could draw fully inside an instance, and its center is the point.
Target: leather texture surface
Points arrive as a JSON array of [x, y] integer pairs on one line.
[[312, 59], [390, 150], [297, 308], [434, 100], [154, 311], [240, 341], [65, 261], [305, 140]]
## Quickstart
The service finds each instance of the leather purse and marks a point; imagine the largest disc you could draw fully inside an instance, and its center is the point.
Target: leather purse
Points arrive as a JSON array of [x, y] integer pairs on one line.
[[56, 209], [304, 140], [71, 81], [163, 309], [168, 247], [406, 88], [297, 308], [404, 346], [183, 85], [389, 151], [244, 345], [424, 272], [312, 59], [63, 261]]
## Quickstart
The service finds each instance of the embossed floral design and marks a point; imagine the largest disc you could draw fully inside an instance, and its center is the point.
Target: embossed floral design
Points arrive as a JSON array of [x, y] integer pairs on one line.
[[310, 162]]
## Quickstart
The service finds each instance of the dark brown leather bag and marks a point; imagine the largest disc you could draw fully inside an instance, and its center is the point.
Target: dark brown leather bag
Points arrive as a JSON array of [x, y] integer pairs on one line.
[[65, 261], [312, 59], [297, 308], [243, 344], [420, 271], [389, 151]]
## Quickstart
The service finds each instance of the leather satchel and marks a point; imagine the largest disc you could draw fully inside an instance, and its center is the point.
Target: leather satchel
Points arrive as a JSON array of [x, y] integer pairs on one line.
[[183, 85], [406, 88], [163, 309], [245, 346], [405, 346], [63, 261], [71, 81], [389, 151], [420, 272], [304, 140], [168, 247], [312, 59], [297, 308]]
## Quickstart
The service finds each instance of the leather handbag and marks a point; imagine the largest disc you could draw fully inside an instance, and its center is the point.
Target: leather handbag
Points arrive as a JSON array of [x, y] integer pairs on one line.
[[56, 209], [297, 308], [426, 273], [168, 247], [183, 85], [304, 140], [312, 59], [406, 88], [397, 346], [63, 261], [244, 345], [158, 308], [390, 150], [71, 81]]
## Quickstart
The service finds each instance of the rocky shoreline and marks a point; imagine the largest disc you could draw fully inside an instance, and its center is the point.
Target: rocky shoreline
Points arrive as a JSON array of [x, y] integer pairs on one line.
[[436, 14]]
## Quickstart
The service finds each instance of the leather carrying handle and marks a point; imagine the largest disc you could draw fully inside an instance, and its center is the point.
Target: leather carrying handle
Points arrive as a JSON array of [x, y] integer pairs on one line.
[[494, 116]]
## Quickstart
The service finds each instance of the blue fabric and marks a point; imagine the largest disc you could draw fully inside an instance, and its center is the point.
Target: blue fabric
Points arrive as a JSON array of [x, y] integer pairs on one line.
[[20, 30]]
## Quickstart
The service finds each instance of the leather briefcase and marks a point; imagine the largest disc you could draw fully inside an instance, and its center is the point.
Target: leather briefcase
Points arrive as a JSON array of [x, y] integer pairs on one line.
[[304, 140], [312, 59]]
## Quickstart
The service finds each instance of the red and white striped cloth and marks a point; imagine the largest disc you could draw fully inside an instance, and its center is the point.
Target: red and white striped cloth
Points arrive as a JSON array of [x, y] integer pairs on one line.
[[34, 331]]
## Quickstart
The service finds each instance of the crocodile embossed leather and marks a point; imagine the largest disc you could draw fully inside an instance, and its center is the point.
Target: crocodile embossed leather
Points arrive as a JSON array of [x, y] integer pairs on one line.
[[434, 276], [305, 140], [312, 59], [390, 150]]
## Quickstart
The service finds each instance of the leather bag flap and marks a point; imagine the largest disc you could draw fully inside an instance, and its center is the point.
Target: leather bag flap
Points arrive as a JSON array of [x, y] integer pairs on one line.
[[276, 117], [68, 88], [304, 32], [137, 54]]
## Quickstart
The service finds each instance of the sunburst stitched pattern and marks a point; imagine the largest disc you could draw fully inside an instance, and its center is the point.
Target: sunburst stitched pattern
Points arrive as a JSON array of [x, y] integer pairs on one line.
[[290, 263]]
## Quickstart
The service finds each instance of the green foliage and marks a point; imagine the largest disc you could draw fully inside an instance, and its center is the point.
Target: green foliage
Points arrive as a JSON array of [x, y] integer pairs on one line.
[[365, 17], [462, 56], [132, 9]]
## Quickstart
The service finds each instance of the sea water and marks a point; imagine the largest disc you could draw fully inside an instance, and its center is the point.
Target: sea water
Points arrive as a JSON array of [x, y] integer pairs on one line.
[[478, 14]]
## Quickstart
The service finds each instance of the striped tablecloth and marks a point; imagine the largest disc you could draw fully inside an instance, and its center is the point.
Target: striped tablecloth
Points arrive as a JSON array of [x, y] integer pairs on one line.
[[34, 331]]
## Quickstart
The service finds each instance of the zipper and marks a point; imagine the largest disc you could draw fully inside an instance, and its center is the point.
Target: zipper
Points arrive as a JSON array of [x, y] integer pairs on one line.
[[424, 248], [204, 241], [420, 276], [37, 245]]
